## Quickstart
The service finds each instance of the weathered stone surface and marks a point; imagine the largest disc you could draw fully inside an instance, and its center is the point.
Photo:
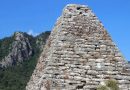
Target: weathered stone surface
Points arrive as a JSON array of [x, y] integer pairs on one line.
[[79, 55], [20, 50], [21, 47]]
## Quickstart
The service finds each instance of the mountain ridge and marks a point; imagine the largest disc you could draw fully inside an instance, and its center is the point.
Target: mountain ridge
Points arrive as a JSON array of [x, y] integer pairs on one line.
[[21, 46], [16, 72]]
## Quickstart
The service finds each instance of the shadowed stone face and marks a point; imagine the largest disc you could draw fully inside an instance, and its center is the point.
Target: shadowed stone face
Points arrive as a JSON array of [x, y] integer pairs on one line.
[[79, 54]]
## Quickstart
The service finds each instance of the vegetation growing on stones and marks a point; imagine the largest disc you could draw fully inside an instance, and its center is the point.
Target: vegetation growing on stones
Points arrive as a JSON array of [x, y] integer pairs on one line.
[[109, 85], [102, 87]]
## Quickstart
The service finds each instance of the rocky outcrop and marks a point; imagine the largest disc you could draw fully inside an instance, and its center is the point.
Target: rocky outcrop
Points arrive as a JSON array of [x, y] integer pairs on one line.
[[21, 47], [20, 50], [41, 40], [79, 55]]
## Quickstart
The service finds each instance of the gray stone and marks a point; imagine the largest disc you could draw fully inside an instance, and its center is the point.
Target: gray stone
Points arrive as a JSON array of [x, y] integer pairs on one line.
[[83, 52]]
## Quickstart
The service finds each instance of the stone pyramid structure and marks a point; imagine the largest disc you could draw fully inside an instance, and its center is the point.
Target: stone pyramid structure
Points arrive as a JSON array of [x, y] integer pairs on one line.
[[79, 55]]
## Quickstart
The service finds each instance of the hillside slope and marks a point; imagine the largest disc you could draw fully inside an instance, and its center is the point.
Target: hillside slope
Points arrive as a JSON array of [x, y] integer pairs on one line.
[[18, 57]]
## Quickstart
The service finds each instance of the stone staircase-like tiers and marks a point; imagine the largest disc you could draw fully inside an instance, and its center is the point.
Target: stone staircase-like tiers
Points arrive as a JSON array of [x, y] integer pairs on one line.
[[79, 55]]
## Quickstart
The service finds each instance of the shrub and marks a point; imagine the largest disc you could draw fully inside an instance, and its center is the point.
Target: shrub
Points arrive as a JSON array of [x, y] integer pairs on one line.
[[110, 85], [102, 87]]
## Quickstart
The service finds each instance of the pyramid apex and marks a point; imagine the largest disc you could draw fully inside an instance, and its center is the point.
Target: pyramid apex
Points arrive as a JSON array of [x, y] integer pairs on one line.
[[76, 5], [78, 49], [77, 9]]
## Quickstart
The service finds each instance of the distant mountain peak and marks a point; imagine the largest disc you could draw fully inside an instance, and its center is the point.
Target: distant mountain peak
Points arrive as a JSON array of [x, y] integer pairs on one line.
[[21, 46], [19, 36]]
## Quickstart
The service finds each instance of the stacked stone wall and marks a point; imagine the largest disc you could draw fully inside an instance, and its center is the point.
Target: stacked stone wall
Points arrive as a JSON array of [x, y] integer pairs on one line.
[[79, 55]]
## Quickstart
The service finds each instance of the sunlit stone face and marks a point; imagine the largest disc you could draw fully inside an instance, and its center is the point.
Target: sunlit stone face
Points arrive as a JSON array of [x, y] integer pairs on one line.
[[103, 83], [78, 51], [99, 65]]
